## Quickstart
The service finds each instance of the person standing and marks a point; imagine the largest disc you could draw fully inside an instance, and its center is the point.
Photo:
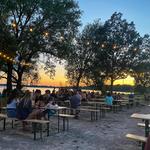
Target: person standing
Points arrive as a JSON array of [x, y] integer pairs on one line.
[[75, 102]]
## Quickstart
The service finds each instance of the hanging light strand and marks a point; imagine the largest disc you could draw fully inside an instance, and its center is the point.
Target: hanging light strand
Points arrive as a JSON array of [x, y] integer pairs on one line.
[[12, 60]]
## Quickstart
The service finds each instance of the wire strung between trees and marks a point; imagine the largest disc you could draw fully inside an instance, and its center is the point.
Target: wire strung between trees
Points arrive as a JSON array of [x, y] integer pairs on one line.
[[6, 57]]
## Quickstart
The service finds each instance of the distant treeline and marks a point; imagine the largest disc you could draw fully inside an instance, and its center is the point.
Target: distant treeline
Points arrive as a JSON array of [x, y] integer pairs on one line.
[[121, 88]]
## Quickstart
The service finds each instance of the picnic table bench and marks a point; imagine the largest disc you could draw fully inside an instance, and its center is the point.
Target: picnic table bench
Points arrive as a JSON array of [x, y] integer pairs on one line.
[[65, 118], [102, 109], [137, 138], [94, 113], [142, 125], [146, 118], [34, 122]]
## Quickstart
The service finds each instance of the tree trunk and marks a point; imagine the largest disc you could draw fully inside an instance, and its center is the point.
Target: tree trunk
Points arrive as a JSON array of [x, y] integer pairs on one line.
[[9, 77], [19, 82], [111, 85], [78, 79], [78, 82]]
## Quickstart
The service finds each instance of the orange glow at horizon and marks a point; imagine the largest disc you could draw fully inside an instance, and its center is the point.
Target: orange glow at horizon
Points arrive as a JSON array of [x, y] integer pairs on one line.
[[61, 80], [58, 80]]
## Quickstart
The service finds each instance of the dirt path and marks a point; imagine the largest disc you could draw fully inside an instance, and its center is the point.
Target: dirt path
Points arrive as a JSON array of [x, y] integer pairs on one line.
[[105, 134]]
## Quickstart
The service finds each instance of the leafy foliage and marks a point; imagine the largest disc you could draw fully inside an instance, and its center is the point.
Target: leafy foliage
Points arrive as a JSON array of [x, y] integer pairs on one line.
[[36, 27]]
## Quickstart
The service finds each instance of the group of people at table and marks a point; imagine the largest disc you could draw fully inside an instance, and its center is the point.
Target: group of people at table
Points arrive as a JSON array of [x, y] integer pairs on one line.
[[34, 105], [27, 105]]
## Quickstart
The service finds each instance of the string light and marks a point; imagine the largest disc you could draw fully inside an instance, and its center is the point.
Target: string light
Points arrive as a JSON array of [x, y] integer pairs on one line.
[[114, 47], [46, 34], [14, 25], [8, 58], [102, 45], [31, 29], [61, 38], [88, 43]]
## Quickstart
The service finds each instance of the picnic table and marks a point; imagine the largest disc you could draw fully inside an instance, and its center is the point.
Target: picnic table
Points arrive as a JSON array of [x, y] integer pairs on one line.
[[58, 109], [146, 118]]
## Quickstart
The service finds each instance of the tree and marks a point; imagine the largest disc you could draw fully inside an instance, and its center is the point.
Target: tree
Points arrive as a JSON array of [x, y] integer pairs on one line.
[[120, 48], [37, 27], [80, 60], [141, 67]]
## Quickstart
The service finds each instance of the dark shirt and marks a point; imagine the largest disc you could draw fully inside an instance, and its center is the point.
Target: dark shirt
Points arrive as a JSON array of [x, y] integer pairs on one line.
[[75, 101], [23, 110]]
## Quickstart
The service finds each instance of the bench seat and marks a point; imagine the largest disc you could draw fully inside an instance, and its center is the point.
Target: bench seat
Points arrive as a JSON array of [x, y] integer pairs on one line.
[[90, 110], [66, 115], [137, 138], [65, 118], [142, 125], [34, 122], [94, 112]]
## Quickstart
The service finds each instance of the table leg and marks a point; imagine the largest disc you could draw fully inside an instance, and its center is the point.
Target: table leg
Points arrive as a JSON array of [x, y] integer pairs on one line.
[[34, 130], [64, 123], [4, 125], [58, 121], [41, 130], [91, 116], [47, 129], [146, 128], [143, 146], [67, 124]]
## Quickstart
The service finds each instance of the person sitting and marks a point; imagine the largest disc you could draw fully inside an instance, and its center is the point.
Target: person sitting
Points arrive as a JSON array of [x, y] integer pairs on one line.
[[24, 107], [47, 96], [84, 97], [36, 96], [12, 104], [109, 99], [50, 109], [39, 107]]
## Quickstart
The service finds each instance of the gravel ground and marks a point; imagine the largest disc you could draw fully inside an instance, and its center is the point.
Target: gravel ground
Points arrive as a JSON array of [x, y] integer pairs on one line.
[[106, 134]]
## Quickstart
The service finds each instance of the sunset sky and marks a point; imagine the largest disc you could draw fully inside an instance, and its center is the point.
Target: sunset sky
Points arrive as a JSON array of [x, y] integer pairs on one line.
[[133, 10]]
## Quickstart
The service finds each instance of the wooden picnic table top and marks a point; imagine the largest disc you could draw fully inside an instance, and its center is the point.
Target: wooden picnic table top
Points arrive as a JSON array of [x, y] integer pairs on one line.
[[97, 99], [96, 102], [55, 108], [141, 116], [121, 100], [59, 108]]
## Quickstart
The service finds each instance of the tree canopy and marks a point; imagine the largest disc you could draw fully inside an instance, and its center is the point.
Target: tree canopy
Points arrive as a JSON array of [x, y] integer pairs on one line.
[[36, 27]]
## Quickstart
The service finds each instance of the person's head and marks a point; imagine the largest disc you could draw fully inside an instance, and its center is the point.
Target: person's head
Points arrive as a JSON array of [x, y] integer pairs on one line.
[[75, 92], [47, 92], [108, 94], [27, 95], [13, 95], [38, 92]]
